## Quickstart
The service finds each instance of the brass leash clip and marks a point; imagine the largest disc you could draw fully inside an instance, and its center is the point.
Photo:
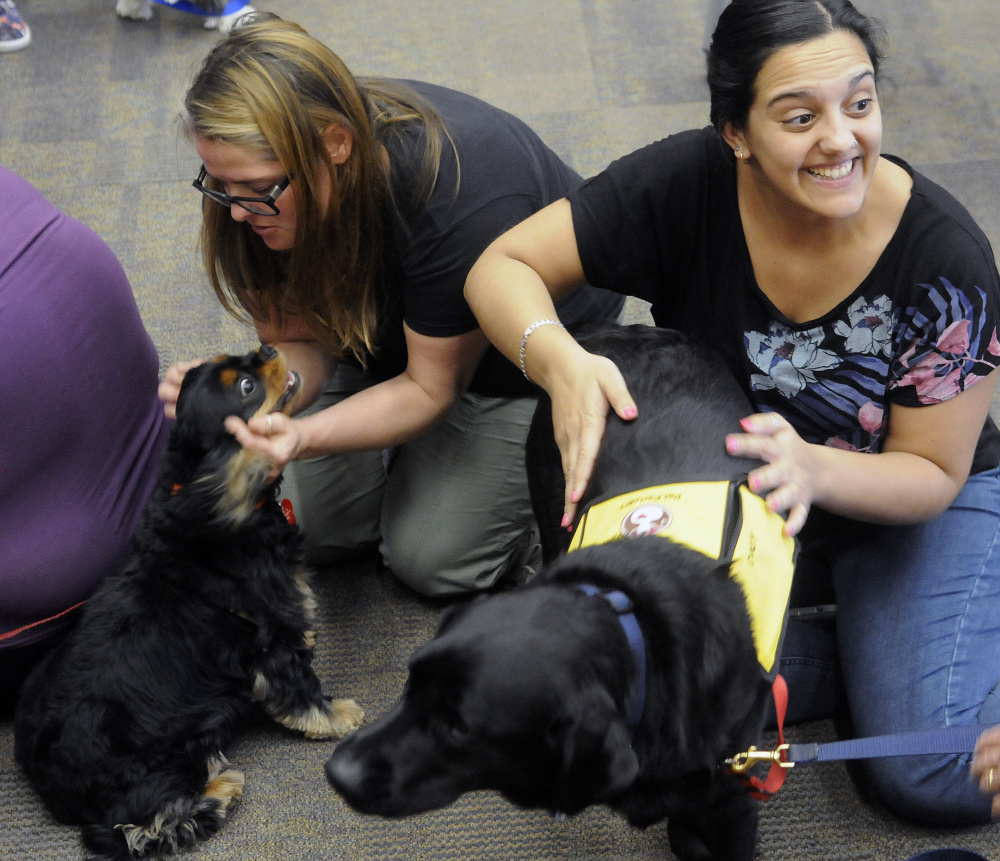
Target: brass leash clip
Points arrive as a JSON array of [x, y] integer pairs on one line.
[[743, 762]]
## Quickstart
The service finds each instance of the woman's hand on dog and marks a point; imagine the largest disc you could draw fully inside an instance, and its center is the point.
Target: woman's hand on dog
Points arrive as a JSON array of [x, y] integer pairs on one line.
[[170, 388], [275, 437], [786, 478], [581, 395]]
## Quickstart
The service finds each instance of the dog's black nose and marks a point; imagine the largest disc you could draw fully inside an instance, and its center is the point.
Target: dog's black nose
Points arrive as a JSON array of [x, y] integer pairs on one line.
[[266, 352], [345, 774]]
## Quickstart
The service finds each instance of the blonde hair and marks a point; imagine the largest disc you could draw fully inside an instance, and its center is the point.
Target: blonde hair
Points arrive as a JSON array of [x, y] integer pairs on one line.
[[269, 86]]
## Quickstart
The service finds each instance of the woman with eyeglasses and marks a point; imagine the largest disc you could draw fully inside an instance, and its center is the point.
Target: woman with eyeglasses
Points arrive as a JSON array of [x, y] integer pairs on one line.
[[342, 216]]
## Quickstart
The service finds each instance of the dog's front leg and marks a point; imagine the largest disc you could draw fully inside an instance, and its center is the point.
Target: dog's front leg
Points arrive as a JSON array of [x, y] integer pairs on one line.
[[721, 825], [289, 691]]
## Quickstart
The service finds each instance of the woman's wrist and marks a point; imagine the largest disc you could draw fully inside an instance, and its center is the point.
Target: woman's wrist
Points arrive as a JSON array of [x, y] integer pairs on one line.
[[528, 332], [550, 356], [307, 444]]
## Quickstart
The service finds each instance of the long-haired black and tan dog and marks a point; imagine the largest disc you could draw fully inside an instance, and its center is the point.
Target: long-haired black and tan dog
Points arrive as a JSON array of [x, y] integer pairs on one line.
[[625, 672], [121, 728]]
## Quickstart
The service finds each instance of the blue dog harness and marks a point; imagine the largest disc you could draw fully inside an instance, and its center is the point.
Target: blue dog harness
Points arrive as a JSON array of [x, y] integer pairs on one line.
[[630, 625]]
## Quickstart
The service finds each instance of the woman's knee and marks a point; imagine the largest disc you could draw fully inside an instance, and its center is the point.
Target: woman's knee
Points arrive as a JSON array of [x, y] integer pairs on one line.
[[336, 502], [931, 790], [448, 565], [436, 571]]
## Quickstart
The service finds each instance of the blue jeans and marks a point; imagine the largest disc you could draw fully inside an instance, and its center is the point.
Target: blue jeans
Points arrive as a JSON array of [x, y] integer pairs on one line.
[[918, 642]]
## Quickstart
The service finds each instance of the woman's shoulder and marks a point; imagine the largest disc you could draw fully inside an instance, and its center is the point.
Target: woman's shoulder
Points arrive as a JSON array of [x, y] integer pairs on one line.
[[690, 171], [936, 223], [684, 153], [470, 121]]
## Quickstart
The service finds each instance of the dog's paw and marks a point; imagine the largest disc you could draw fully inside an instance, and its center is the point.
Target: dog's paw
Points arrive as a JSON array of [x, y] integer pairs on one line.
[[337, 719], [345, 716], [226, 787]]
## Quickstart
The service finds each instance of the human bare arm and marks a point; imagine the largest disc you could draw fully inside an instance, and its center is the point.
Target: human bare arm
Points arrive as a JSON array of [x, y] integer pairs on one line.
[[924, 464], [438, 372], [514, 284]]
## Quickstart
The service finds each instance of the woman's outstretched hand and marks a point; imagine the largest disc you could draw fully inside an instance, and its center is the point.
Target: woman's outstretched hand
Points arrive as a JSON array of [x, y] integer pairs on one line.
[[581, 397], [275, 437], [785, 480], [170, 388]]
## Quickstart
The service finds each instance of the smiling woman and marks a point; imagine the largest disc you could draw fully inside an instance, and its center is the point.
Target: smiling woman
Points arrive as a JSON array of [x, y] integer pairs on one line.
[[859, 305]]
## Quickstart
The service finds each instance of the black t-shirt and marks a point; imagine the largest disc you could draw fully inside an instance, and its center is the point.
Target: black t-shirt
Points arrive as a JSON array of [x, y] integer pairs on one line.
[[504, 174], [663, 224]]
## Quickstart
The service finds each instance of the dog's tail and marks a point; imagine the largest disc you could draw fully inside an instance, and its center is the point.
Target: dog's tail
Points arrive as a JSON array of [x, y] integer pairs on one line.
[[178, 825]]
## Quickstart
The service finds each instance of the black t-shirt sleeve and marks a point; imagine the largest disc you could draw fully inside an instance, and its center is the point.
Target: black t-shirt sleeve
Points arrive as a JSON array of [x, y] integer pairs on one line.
[[638, 223], [436, 269]]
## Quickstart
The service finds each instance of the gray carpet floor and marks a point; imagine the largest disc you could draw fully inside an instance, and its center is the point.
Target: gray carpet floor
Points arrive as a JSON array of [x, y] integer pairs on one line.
[[89, 117]]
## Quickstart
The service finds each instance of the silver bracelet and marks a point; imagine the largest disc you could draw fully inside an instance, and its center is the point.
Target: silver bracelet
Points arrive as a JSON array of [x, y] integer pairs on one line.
[[527, 332]]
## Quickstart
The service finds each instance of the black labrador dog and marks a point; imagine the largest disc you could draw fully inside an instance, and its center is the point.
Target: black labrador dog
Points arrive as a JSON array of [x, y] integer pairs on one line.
[[626, 672], [210, 614]]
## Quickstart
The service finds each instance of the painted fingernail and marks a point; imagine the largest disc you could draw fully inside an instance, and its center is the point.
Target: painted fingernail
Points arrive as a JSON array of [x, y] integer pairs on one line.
[[631, 412], [731, 445], [565, 520], [746, 424]]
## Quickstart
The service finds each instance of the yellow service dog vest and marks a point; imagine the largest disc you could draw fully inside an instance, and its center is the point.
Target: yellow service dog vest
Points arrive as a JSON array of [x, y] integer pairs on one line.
[[723, 520]]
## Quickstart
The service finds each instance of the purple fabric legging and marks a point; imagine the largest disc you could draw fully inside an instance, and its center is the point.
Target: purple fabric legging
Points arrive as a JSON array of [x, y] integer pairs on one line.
[[81, 428]]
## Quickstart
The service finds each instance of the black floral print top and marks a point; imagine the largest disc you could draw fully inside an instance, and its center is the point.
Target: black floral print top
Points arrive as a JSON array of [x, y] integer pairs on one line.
[[663, 224]]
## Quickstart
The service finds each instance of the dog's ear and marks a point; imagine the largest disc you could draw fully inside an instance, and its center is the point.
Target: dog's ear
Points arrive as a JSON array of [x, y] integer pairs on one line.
[[225, 487], [201, 410], [597, 756], [239, 477], [454, 612]]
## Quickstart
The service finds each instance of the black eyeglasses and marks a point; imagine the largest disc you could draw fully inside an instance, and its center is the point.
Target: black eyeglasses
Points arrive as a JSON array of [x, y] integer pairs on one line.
[[256, 205]]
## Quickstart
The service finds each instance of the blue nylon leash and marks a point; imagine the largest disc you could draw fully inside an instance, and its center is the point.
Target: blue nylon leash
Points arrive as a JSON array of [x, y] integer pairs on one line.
[[948, 855], [947, 740], [952, 739]]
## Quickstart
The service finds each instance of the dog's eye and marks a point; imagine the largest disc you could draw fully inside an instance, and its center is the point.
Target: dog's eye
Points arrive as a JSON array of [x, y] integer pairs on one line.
[[247, 386]]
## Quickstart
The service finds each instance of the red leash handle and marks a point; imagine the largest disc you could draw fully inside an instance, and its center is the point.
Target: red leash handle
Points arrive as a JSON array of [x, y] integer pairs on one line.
[[10, 634], [740, 764]]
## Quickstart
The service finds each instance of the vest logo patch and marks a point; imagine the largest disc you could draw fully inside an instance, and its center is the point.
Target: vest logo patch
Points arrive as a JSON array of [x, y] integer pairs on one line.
[[646, 520], [724, 521]]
